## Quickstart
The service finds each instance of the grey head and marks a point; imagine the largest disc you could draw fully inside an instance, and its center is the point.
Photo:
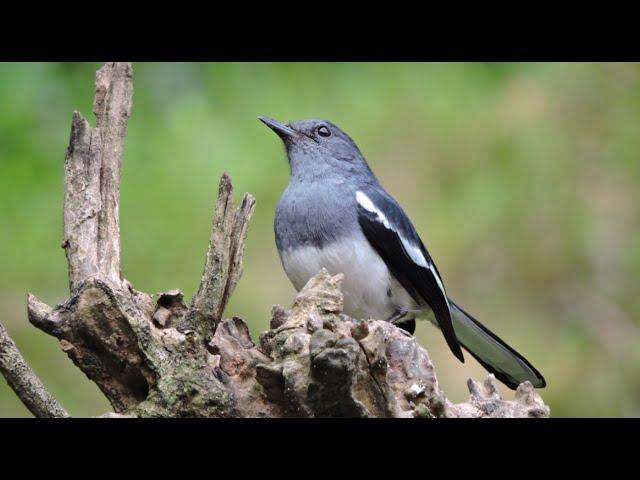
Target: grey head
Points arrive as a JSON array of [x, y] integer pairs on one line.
[[317, 148]]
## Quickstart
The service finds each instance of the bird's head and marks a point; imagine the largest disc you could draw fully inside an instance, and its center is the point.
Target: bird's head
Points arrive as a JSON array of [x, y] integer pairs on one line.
[[318, 146]]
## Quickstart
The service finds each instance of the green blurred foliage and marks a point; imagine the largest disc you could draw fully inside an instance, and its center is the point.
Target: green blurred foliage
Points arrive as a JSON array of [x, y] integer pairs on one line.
[[521, 178]]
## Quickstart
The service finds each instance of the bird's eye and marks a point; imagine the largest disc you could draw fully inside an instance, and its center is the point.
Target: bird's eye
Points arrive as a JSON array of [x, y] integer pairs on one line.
[[323, 131]]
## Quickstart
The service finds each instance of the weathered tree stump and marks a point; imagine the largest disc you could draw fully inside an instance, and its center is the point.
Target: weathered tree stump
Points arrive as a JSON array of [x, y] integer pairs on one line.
[[164, 358]]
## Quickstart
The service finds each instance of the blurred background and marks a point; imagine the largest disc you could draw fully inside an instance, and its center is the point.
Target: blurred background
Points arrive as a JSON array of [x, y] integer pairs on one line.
[[523, 180]]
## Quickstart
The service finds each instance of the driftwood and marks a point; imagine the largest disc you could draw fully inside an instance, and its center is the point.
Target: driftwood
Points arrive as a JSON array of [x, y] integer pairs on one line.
[[163, 358]]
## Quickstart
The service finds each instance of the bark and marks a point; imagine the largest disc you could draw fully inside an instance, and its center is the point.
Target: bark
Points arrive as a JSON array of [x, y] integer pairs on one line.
[[163, 358], [92, 179]]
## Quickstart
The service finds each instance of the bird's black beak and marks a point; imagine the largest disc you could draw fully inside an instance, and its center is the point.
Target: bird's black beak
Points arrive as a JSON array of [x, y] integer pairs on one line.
[[283, 131]]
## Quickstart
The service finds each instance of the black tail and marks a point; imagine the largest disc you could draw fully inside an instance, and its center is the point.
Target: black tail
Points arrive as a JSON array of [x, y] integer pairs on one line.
[[493, 353]]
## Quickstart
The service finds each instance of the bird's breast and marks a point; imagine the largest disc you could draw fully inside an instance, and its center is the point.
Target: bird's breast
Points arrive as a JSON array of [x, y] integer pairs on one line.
[[369, 289]]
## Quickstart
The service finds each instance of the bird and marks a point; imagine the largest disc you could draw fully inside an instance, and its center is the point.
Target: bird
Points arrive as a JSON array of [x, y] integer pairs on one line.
[[335, 214]]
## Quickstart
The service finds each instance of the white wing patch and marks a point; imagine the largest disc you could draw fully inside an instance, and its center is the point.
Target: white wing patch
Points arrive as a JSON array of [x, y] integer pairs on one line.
[[439, 282], [366, 203], [413, 250]]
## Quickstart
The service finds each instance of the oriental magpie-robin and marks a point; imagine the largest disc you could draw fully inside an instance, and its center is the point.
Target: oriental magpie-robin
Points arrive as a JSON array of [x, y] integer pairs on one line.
[[335, 214]]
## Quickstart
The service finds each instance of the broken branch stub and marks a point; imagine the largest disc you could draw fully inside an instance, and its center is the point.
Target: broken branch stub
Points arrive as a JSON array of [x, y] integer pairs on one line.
[[112, 107], [82, 201], [223, 264]]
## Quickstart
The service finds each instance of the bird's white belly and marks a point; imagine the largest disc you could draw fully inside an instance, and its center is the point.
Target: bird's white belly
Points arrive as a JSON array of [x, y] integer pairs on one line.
[[369, 290]]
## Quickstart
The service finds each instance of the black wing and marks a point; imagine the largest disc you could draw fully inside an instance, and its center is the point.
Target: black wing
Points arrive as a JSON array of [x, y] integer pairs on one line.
[[394, 238]]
